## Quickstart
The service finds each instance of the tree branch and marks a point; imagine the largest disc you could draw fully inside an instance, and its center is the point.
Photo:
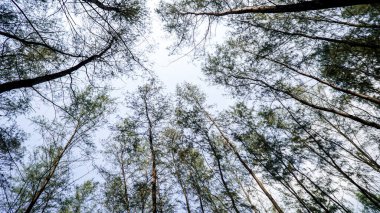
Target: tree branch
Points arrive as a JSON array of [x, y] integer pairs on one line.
[[333, 40], [103, 6], [27, 42], [307, 103], [288, 8], [42, 79], [118, 9]]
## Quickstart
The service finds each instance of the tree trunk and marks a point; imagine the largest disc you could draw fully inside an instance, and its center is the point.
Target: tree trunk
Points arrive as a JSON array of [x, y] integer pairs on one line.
[[214, 151], [242, 161], [50, 175], [126, 199], [153, 156]]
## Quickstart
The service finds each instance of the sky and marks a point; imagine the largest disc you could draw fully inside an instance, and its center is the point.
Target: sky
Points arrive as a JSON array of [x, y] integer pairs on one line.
[[176, 69], [171, 70]]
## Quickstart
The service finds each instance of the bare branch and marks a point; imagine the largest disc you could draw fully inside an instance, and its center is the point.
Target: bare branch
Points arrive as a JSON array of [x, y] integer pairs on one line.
[[288, 8]]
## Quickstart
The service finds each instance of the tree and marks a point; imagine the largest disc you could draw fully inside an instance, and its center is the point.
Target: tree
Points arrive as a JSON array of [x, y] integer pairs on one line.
[[302, 135], [10, 154], [151, 109], [195, 99], [58, 43], [46, 174], [125, 190], [137, 146], [37, 189], [314, 65], [50, 49], [82, 199]]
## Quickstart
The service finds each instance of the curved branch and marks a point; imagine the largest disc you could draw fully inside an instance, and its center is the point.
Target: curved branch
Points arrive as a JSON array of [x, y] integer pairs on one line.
[[42, 79], [27, 42]]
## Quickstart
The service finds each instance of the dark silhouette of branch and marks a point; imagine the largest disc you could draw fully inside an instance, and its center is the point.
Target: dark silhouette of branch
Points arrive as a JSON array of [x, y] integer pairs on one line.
[[103, 6], [333, 40], [350, 92], [118, 9], [27, 42], [262, 83], [288, 8], [42, 79]]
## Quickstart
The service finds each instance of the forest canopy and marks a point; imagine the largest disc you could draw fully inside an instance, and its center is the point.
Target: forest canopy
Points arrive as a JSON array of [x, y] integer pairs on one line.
[[302, 133]]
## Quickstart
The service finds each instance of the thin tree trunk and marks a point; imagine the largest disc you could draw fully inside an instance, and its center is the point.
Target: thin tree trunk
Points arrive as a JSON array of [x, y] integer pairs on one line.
[[200, 201], [285, 184], [214, 151], [47, 179], [295, 194], [183, 188], [126, 199], [291, 114], [305, 188], [253, 207], [243, 162], [368, 159], [375, 200], [184, 191], [153, 155], [322, 191]]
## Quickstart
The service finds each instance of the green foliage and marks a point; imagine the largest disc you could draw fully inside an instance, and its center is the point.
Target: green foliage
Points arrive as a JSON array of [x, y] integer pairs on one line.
[[114, 195], [309, 82], [368, 205], [10, 139], [89, 105], [303, 130], [81, 201], [34, 174]]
